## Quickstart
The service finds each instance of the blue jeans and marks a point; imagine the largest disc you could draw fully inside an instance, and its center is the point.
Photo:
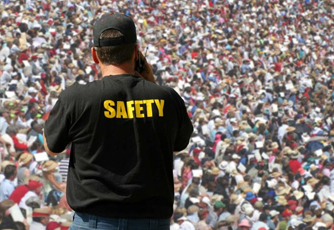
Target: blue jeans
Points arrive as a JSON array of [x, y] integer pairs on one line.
[[84, 221]]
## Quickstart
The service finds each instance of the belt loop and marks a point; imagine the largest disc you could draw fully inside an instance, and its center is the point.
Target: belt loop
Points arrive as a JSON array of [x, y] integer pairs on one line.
[[122, 224], [154, 224], [92, 222]]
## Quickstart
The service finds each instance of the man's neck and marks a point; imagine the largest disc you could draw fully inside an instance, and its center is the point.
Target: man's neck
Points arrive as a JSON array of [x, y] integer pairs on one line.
[[125, 68]]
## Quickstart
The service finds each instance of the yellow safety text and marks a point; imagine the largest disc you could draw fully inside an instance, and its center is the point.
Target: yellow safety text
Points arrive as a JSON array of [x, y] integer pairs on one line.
[[133, 109]]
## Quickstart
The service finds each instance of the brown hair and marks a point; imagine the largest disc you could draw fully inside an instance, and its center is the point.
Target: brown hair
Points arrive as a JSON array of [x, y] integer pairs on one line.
[[114, 55], [4, 205]]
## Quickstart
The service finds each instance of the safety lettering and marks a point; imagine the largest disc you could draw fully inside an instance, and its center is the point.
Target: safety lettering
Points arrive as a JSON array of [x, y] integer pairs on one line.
[[134, 108]]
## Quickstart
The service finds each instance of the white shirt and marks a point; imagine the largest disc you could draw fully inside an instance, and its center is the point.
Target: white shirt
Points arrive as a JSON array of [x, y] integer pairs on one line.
[[281, 132], [295, 184], [186, 225], [178, 163], [37, 226], [25, 198]]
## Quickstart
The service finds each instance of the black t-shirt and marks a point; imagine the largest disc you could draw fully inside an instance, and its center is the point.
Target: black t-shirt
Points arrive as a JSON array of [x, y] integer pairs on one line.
[[123, 131]]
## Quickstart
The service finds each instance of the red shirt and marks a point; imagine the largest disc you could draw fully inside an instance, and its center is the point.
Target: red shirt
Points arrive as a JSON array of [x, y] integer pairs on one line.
[[278, 66], [22, 57], [294, 165], [19, 193], [18, 145]]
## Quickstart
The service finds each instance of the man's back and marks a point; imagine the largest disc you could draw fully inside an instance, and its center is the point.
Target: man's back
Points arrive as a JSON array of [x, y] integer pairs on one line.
[[123, 131]]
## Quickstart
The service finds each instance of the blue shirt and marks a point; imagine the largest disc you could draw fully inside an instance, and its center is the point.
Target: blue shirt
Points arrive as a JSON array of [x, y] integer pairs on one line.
[[6, 189]]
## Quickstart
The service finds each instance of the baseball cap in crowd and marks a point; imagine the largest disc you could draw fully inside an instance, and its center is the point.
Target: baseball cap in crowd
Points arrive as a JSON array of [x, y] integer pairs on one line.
[[116, 21], [33, 184], [219, 204]]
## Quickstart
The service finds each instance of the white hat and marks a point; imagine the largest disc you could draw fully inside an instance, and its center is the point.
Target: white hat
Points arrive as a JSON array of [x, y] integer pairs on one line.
[[273, 213], [329, 206], [272, 183], [295, 222], [235, 156], [182, 218], [32, 90], [310, 195], [249, 209], [206, 200], [233, 120], [223, 165], [318, 225], [13, 82]]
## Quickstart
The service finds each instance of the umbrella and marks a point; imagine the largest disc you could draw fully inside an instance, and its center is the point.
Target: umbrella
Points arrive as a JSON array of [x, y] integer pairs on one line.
[[302, 128], [314, 146]]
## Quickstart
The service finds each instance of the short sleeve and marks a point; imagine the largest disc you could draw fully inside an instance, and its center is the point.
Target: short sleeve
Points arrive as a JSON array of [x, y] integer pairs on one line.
[[185, 126], [57, 128]]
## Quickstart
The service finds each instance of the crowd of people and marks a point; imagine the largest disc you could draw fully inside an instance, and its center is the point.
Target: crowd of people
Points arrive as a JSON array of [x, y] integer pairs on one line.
[[257, 80]]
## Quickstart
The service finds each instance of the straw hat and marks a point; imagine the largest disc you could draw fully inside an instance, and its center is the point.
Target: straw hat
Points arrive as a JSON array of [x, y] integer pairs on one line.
[[41, 212], [246, 190], [234, 172], [282, 200], [308, 218], [298, 194], [241, 184], [259, 123], [227, 141], [274, 145], [25, 158], [313, 181], [290, 129], [286, 150], [230, 219], [4, 164], [299, 211], [276, 174], [282, 191], [236, 199], [215, 171], [294, 155], [49, 166]]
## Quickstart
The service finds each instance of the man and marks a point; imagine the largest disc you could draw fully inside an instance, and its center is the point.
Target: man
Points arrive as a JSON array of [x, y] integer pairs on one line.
[[261, 223], [7, 185], [19, 145], [3, 120], [34, 186], [218, 209], [36, 131], [201, 224], [23, 172], [40, 218], [123, 131]]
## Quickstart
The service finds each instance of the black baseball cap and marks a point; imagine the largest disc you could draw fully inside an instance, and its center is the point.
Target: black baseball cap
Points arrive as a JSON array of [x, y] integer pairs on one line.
[[116, 21]]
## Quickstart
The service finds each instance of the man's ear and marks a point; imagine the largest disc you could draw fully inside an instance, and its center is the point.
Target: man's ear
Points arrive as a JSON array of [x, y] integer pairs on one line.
[[94, 55], [136, 52]]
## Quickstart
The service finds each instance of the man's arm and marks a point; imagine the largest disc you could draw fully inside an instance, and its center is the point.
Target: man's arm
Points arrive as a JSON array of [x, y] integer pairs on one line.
[[56, 131], [48, 151]]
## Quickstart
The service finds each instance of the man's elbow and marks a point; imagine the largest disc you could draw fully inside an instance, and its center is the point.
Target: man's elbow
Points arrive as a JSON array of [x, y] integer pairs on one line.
[[46, 148], [50, 152]]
